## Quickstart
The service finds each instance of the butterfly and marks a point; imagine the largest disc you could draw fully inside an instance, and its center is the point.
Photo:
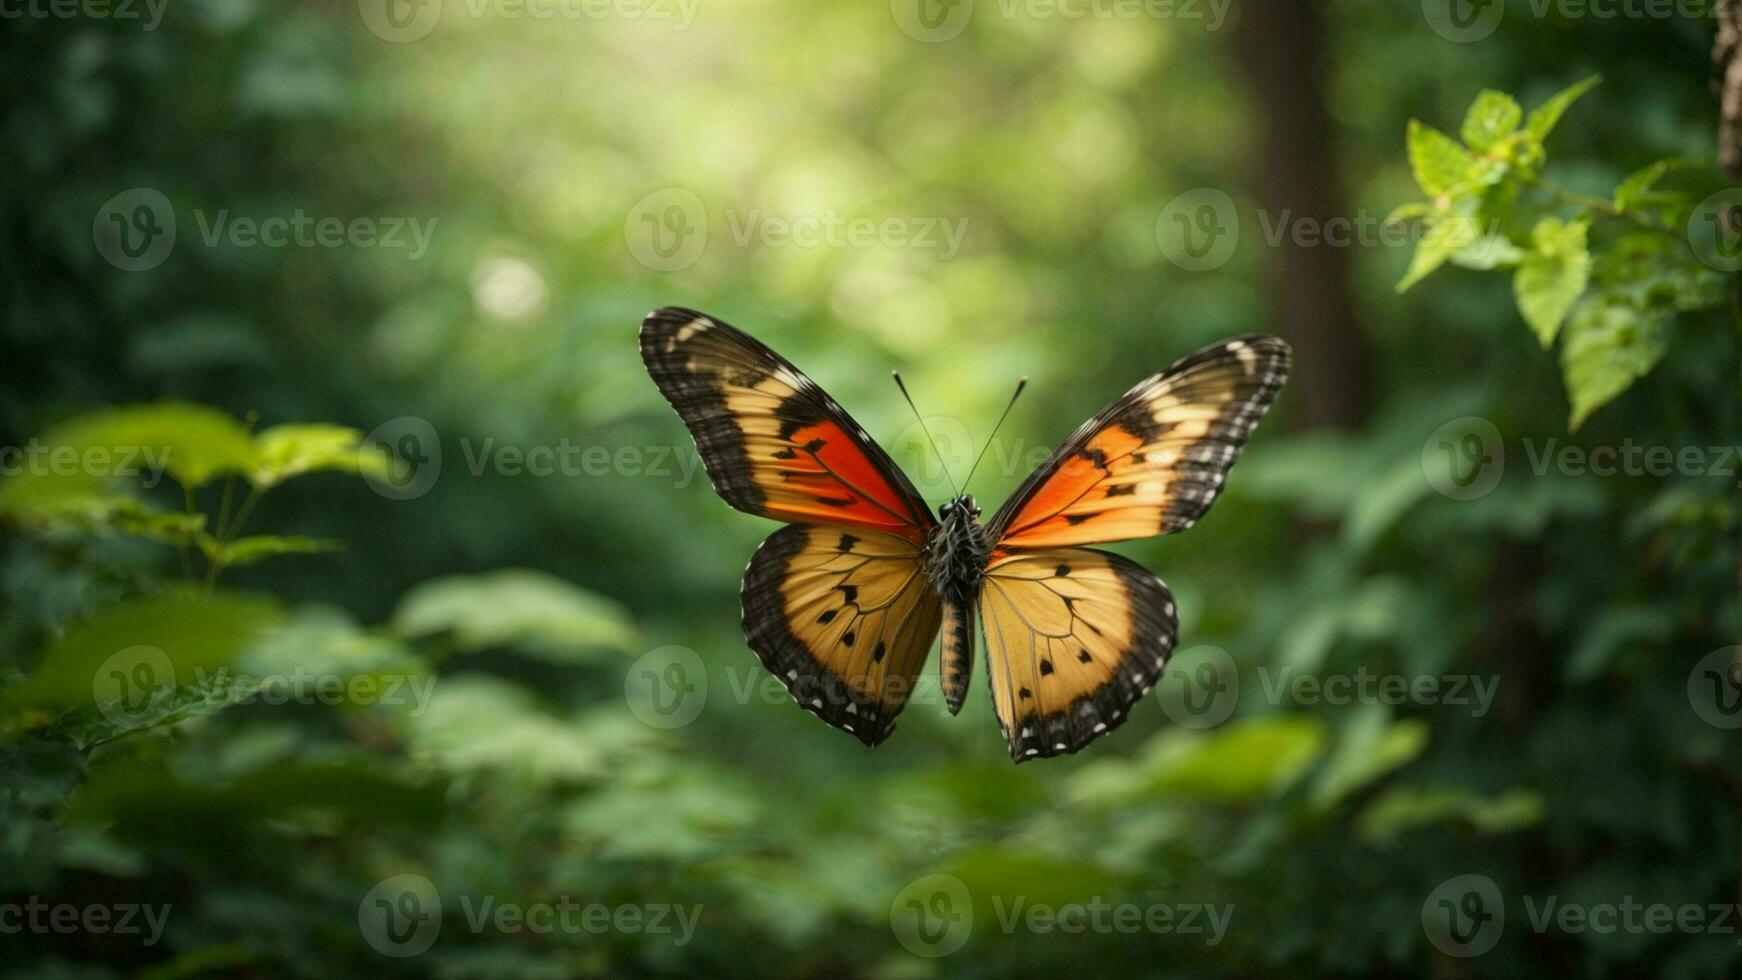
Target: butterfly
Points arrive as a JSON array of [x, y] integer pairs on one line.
[[843, 603]]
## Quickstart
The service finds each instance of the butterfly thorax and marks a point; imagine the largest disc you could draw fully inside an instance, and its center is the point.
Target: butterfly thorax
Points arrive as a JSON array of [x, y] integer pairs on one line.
[[956, 552]]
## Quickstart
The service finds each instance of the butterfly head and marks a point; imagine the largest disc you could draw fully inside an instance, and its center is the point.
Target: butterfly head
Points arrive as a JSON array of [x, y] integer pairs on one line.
[[962, 508]]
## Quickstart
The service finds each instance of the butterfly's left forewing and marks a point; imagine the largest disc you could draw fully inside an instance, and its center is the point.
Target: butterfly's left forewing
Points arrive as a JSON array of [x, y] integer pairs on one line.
[[1075, 636], [836, 604]]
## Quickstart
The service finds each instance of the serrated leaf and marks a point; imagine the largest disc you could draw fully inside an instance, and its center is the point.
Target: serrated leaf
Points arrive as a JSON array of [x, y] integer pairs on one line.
[[1552, 276], [285, 451], [1609, 345], [1492, 117], [193, 442], [1445, 238], [1543, 118], [1631, 191], [517, 607], [193, 636], [1371, 746], [1492, 251], [1438, 161]]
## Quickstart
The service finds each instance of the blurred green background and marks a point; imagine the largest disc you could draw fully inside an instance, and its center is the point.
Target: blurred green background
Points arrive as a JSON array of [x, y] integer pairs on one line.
[[351, 637]]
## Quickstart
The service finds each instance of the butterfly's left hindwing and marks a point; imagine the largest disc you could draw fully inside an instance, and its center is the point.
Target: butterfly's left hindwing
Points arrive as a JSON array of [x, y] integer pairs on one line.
[[1074, 638], [844, 617]]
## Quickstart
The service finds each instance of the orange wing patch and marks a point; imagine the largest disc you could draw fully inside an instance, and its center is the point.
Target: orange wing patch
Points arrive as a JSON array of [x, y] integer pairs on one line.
[[1074, 638], [774, 443], [1156, 459], [844, 617]]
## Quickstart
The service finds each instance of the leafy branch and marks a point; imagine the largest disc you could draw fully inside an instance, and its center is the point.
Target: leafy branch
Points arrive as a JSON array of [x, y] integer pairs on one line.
[[1490, 208], [79, 480]]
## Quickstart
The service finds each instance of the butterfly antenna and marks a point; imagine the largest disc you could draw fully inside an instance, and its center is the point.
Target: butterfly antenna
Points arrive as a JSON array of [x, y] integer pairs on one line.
[[1020, 384], [922, 427]]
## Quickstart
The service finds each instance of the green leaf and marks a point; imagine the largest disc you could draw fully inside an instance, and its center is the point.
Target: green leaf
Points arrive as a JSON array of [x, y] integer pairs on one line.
[[1438, 162], [683, 815], [1409, 212], [247, 551], [1241, 763], [1372, 746], [1491, 118], [192, 442], [1406, 808], [1446, 237], [1552, 276], [1626, 627], [519, 608], [1632, 191], [153, 803], [192, 636], [1609, 345], [47, 503], [477, 723], [1491, 251], [284, 451], [1543, 118]]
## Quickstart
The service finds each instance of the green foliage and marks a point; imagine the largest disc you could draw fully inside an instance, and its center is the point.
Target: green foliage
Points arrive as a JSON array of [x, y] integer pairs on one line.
[[75, 485], [1490, 208], [516, 607], [355, 685]]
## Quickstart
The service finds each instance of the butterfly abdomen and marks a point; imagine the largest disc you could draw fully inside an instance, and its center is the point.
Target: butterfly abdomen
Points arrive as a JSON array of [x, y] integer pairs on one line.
[[955, 561]]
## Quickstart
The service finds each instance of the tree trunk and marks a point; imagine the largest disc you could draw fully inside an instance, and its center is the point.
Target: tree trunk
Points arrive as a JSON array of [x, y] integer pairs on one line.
[[1279, 46]]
